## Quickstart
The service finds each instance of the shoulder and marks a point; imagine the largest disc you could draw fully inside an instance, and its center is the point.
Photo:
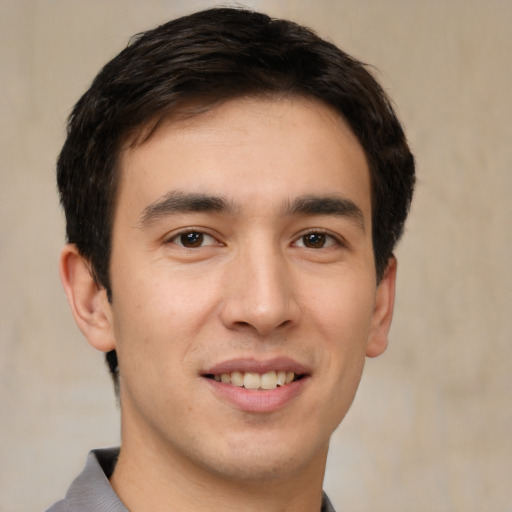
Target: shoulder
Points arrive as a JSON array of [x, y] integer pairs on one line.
[[60, 506], [326, 504], [91, 490]]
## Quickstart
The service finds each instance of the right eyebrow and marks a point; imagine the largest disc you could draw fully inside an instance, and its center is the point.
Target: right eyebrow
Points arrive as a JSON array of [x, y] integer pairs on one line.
[[181, 202]]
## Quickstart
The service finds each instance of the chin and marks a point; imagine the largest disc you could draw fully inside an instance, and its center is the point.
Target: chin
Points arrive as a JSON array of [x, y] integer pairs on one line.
[[255, 469], [266, 459]]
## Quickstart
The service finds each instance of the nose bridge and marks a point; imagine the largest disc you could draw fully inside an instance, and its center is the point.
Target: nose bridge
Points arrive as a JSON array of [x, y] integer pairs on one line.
[[261, 290]]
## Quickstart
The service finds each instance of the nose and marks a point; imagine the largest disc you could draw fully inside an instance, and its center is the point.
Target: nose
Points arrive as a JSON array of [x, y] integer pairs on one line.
[[260, 293]]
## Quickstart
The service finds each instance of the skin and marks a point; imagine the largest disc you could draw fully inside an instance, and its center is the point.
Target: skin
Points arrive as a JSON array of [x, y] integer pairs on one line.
[[267, 281]]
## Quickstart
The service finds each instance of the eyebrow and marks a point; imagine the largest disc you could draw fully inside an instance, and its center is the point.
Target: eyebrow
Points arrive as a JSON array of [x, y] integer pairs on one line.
[[327, 205], [181, 202]]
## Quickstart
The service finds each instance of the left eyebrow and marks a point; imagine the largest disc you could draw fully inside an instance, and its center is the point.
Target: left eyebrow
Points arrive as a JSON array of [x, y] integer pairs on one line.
[[327, 205]]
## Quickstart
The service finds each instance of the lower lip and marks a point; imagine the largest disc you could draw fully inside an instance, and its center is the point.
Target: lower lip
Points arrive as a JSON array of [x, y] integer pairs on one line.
[[261, 401]]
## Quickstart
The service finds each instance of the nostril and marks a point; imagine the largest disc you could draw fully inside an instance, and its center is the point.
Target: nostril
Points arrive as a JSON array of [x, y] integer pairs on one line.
[[242, 324], [262, 327]]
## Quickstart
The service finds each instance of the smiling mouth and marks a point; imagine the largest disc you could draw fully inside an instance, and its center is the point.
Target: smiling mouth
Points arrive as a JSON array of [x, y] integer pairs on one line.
[[257, 381]]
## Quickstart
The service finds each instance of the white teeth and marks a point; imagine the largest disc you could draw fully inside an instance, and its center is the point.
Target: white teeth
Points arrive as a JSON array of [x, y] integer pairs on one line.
[[269, 380], [251, 380], [237, 379], [281, 378]]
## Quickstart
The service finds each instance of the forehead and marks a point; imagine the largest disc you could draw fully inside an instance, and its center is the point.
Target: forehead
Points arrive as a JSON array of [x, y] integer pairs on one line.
[[254, 151]]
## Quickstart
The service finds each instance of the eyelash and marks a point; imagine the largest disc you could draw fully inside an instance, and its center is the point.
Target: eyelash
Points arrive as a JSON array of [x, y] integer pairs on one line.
[[177, 238], [325, 238], [334, 240]]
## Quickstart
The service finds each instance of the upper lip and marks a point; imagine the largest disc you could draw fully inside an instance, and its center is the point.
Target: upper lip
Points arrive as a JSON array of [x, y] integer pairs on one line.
[[260, 366]]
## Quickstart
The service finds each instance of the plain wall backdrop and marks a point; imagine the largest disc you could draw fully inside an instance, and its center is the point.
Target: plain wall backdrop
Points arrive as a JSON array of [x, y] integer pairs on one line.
[[430, 429]]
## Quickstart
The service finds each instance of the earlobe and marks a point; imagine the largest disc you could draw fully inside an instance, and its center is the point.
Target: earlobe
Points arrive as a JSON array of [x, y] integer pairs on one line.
[[88, 301], [383, 311]]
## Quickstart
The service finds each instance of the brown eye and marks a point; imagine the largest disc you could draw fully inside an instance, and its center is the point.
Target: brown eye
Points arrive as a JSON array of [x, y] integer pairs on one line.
[[314, 240], [192, 239]]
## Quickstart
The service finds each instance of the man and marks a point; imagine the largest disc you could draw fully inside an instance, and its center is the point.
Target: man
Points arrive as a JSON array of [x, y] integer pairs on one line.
[[234, 187]]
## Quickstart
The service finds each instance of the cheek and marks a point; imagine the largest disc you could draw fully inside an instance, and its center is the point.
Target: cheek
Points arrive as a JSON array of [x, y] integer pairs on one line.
[[343, 313], [343, 309], [161, 292], [159, 312]]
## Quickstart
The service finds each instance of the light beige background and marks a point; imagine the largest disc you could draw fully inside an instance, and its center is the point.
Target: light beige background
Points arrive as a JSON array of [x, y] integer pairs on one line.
[[431, 428]]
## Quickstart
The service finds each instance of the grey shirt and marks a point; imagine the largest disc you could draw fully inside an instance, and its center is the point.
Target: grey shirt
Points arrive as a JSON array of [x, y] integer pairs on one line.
[[91, 491]]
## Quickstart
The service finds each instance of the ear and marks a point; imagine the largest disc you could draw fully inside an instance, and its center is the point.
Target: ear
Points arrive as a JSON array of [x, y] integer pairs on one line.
[[89, 303], [383, 312]]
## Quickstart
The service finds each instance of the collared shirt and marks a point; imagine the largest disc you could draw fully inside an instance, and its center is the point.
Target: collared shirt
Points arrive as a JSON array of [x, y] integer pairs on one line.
[[91, 491]]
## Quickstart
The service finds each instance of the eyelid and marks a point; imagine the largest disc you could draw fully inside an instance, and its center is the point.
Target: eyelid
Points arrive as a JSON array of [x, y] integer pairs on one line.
[[175, 235], [337, 239]]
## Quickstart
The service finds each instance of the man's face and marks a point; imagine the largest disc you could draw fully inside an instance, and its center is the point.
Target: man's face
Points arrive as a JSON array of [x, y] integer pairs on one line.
[[242, 247]]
